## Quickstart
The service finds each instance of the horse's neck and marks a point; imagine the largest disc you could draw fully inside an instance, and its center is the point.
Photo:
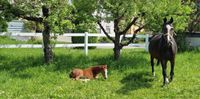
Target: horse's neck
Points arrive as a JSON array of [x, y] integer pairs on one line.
[[164, 46], [96, 70]]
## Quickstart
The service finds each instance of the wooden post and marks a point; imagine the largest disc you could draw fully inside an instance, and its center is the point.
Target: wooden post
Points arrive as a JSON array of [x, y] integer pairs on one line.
[[86, 43]]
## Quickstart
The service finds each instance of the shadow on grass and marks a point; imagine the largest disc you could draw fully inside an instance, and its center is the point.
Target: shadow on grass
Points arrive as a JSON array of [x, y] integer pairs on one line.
[[135, 81], [19, 63], [14, 65], [65, 62], [126, 61]]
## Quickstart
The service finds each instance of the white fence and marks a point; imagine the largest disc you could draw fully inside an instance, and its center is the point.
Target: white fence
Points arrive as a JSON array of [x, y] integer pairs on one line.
[[85, 45]]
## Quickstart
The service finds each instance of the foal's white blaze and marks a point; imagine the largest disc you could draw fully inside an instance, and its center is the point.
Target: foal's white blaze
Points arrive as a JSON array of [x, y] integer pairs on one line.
[[106, 73], [169, 27]]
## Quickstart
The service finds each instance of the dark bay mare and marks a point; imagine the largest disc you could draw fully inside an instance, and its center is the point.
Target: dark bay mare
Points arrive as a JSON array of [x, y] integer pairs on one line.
[[163, 48]]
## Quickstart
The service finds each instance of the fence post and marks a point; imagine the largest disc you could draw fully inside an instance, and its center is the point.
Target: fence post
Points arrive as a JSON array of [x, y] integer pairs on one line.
[[147, 42], [86, 43]]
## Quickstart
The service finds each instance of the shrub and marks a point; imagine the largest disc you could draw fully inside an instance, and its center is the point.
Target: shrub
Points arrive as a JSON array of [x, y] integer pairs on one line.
[[82, 40], [182, 44], [34, 41], [82, 28], [29, 26], [104, 40]]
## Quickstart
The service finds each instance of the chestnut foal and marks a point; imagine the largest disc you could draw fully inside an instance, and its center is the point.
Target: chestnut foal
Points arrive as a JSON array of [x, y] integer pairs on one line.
[[89, 73]]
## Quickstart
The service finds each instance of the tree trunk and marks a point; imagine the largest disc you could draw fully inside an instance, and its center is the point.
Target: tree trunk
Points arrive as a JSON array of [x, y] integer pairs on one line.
[[117, 47], [117, 50], [48, 54]]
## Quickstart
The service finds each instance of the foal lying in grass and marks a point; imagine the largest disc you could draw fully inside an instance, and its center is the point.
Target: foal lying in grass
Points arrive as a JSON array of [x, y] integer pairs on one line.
[[89, 73]]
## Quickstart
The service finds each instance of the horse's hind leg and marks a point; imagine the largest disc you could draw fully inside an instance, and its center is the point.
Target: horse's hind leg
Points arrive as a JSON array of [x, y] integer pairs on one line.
[[158, 62], [172, 70], [164, 69], [152, 66]]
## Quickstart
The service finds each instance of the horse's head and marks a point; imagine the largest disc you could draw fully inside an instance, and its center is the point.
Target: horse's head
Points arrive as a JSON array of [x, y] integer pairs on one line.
[[104, 71], [168, 30]]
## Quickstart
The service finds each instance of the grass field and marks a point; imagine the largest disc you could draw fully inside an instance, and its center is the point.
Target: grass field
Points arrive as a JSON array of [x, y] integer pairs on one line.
[[23, 75]]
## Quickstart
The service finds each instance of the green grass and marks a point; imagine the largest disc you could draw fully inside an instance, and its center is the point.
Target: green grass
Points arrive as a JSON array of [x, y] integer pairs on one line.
[[7, 40], [24, 76]]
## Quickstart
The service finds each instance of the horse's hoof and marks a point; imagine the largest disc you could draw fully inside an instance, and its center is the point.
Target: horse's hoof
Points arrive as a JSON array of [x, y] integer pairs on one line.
[[167, 81], [171, 79]]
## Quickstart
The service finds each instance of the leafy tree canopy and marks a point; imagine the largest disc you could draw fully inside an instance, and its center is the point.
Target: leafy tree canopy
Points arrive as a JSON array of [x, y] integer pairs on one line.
[[154, 11], [82, 15], [59, 17]]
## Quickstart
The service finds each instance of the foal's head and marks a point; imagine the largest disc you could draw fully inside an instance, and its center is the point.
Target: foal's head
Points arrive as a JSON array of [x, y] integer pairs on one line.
[[168, 30], [104, 71]]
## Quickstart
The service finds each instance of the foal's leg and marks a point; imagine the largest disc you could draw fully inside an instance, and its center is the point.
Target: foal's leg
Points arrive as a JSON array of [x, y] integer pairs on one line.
[[152, 66], [164, 69], [172, 70]]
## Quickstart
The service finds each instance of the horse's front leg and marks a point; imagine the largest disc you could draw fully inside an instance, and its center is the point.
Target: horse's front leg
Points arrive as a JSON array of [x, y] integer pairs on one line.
[[172, 69], [164, 69]]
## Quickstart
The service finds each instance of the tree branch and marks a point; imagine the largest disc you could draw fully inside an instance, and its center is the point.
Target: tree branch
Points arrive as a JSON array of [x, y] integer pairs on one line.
[[116, 22], [129, 26], [133, 37], [35, 19], [106, 32]]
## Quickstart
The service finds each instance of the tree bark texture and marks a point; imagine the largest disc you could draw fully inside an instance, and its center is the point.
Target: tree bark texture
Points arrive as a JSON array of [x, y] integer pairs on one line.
[[48, 53], [117, 47]]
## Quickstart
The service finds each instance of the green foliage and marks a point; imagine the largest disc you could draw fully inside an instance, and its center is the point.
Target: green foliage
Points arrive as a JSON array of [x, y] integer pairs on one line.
[[3, 25], [154, 11], [25, 75], [34, 41], [182, 43], [59, 17], [29, 26], [114, 9], [158, 9], [80, 29], [194, 23], [83, 20], [104, 40], [7, 13], [8, 40]]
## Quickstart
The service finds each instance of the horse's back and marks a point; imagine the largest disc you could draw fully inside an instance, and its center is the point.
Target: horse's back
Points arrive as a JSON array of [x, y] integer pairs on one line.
[[76, 72]]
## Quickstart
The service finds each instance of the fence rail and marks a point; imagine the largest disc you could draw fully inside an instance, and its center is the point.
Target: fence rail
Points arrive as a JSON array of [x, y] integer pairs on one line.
[[85, 44]]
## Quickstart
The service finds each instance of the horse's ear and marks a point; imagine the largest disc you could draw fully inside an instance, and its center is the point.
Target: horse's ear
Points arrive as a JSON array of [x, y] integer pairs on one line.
[[171, 20], [104, 66], [165, 20]]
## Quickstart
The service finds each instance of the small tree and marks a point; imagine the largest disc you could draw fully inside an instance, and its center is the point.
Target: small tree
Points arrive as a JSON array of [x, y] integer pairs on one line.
[[142, 13], [53, 14], [124, 13]]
